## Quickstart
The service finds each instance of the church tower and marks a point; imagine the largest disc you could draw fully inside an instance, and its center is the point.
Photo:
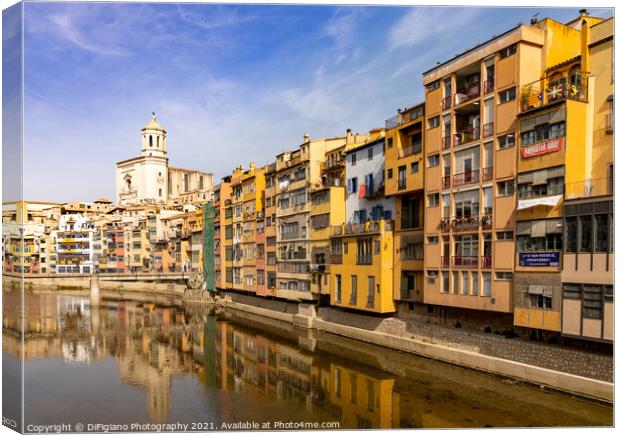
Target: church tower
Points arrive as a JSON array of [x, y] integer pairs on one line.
[[154, 139]]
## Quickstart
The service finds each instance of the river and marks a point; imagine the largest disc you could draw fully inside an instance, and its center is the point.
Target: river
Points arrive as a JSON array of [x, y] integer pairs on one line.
[[135, 363]]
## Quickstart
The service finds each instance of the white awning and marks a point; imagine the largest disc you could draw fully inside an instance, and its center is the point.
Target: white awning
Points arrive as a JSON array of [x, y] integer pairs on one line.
[[550, 201]]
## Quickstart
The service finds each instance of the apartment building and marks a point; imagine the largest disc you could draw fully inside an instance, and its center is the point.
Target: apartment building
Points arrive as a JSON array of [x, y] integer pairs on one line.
[[362, 249], [404, 164], [588, 257], [555, 154], [327, 209], [270, 230], [236, 228], [296, 173], [75, 244], [221, 196], [471, 164], [252, 182], [26, 243]]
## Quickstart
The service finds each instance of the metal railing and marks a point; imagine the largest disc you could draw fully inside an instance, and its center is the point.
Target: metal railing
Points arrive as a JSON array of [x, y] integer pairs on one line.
[[487, 173], [486, 221], [469, 261], [489, 85], [465, 223], [466, 135], [466, 177], [486, 262], [369, 227], [487, 129], [445, 261], [446, 142], [446, 103], [404, 117], [466, 94], [445, 181], [589, 188], [555, 88]]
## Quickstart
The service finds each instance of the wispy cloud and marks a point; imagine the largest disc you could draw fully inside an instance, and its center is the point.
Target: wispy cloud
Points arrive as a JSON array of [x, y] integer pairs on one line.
[[424, 24]]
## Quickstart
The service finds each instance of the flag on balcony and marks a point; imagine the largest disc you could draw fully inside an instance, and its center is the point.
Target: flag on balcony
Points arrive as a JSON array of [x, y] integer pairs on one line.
[[362, 191]]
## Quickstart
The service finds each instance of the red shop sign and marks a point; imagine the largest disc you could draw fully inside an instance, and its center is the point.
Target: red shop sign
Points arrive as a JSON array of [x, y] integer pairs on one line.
[[544, 147]]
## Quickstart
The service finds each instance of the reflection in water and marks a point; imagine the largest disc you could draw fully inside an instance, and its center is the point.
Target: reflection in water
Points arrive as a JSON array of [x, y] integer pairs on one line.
[[191, 365]]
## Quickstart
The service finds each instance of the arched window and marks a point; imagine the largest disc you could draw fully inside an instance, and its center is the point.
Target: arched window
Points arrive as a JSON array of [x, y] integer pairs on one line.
[[201, 183], [151, 141], [186, 180], [160, 192], [157, 141]]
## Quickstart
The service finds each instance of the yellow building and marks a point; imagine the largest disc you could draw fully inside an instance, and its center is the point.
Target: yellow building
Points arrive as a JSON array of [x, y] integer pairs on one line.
[[587, 267], [555, 132], [362, 266], [404, 164]]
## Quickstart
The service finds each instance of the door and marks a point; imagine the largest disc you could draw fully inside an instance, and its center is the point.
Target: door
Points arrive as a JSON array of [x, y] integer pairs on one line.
[[467, 166]]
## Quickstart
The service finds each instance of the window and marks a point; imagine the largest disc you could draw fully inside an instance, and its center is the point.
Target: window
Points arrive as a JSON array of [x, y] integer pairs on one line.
[[503, 276], [507, 95], [602, 233], [415, 167], [390, 142], [593, 301], [433, 200], [352, 185], [585, 223], [474, 283], [506, 188], [432, 86], [571, 234], [433, 122], [445, 282], [338, 288], [455, 282], [416, 143], [508, 51], [432, 240], [433, 160], [353, 299], [506, 141], [465, 288], [486, 283], [390, 173], [402, 177], [505, 235], [543, 132], [371, 292], [370, 153], [160, 191], [353, 159]]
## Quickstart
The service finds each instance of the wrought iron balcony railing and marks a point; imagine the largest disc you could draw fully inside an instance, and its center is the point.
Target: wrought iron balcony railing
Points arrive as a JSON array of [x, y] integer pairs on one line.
[[466, 135], [573, 86]]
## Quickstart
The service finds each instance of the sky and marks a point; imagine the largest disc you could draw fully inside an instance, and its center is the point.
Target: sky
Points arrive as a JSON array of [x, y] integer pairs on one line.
[[232, 84]]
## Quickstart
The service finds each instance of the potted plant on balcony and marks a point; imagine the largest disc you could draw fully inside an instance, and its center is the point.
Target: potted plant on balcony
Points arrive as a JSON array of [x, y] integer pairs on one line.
[[525, 97]]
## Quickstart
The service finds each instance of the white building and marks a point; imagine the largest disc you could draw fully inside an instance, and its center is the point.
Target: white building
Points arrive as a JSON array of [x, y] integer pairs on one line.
[[75, 244], [149, 178], [365, 167]]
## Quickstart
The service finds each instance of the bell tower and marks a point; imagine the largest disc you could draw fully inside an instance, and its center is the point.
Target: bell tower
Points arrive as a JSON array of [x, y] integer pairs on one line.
[[154, 139]]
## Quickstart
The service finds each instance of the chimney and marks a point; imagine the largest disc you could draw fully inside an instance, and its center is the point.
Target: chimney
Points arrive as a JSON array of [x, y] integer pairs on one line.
[[306, 137], [534, 19], [583, 12], [349, 136]]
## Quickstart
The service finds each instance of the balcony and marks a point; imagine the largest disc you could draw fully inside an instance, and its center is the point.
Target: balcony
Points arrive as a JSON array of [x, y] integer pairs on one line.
[[370, 227], [365, 259], [404, 117], [466, 135], [486, 221], [445, 182], [445, 261], [487, 129], [446, 103], [553, 89], [466, 94], [589, 188], [486, 262], [444, 224], [335, 258], [373, 192], [466, 178], [470, 261], [489, 85], [466, 223], [487, 173], [445, 142]]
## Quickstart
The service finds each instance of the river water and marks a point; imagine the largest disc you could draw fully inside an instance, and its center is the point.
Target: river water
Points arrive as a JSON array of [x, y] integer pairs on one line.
[[129, 362]]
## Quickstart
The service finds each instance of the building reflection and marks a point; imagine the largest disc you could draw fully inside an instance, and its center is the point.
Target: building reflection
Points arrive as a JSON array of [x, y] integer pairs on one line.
[[152, 344]]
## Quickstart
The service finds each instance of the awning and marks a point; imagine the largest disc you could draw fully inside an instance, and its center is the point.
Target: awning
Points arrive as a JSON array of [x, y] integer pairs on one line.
[[540, 290], [549, 201]]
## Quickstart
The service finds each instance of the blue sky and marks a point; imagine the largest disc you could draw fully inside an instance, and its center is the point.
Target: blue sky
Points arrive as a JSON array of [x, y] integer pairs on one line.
[[230, 83]]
